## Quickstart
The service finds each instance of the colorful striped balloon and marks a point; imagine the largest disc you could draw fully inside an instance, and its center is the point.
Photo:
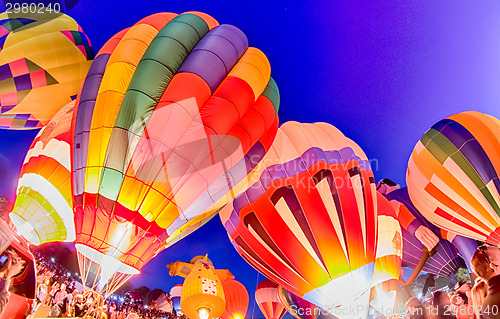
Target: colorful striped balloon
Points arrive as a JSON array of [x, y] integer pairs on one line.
[[453, 179], [43, 211], [44, 58], [296, 306], [309, 220], [266, 297], [445, 261], [175, 296], [173, 115]]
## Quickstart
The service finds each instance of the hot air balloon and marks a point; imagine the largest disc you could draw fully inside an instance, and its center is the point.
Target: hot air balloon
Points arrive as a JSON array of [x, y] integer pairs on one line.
[[445, 261], [236, 300], [175, 296], [388, 257], [452, 176], [296, 306], [266, 297], [173, 115], [308, 220], [44, 58], [43, 211], [202, 292]]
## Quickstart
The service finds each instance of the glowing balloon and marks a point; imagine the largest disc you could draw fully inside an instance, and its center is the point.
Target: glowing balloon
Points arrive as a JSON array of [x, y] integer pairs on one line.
[[308, 221], [266, 297], [453, 179], [445, 261], [175, 296], [173, 115], [236, 300], [296, 306], [388, 258], [202, 293], [43, 211], [44, 58]]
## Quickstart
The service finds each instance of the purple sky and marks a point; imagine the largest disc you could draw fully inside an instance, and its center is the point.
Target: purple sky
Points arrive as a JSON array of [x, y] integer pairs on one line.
[[383, 72]]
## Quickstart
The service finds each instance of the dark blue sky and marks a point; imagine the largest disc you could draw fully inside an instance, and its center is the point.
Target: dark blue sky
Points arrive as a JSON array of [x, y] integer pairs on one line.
[[381, 71]]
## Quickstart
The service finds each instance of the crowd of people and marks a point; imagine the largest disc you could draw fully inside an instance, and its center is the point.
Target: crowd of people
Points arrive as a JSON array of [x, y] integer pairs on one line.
[[479, 301], [56, 289]]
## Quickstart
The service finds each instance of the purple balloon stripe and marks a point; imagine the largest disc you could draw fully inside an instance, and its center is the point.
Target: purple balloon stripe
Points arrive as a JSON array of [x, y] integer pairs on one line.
[[298, 166], [216, 54]]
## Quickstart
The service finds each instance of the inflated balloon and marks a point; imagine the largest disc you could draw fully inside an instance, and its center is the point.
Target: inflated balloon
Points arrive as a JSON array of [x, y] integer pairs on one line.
[[296, 306], [308, 221], [202, 293], [388, 257], [445, 261], [389, 254], [236, 300], [453, 179], [173, 115], [266, 297], [44, 58], [175, 296], [43, 211]]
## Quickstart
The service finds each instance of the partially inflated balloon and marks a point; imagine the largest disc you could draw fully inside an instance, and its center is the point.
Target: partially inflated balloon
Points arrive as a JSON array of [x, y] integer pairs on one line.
[[43, 211], [296, 306], [453, 179], [309, 219], [266, 297], [175, 296], [445, 261], [173, 115], [44, 58], [236, 300], [388, 257], [389, 243]]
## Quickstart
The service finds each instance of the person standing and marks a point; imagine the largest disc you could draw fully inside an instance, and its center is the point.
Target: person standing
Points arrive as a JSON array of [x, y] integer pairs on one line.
[[486, 264], [10, 265]]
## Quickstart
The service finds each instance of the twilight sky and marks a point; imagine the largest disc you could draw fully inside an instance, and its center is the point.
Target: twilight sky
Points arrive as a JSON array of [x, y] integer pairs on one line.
[[383, 72]]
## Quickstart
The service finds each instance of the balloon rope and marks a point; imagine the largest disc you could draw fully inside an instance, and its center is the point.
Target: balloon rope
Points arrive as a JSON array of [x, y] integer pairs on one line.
[[255, 301]]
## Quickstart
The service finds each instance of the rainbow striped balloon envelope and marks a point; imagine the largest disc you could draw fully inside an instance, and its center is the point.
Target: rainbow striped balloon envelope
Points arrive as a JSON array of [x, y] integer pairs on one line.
[[173, 115], [453, 179], [309, 219]]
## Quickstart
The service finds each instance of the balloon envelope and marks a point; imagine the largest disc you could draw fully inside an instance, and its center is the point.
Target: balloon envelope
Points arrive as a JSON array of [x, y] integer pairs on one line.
[[445, 261], [44, 58], [43, 211], [296, 306], [309, 219], [266, 297], [236, 300], [175, 296], [174, 113], [452, 176]]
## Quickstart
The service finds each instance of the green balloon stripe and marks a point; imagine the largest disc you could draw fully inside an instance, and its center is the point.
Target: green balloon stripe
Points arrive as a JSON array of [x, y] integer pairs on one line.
[[273, 94], [441, 148]]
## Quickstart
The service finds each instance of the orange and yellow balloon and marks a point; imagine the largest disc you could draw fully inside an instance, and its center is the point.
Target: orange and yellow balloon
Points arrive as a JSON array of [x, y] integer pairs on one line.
[[43, 211]]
